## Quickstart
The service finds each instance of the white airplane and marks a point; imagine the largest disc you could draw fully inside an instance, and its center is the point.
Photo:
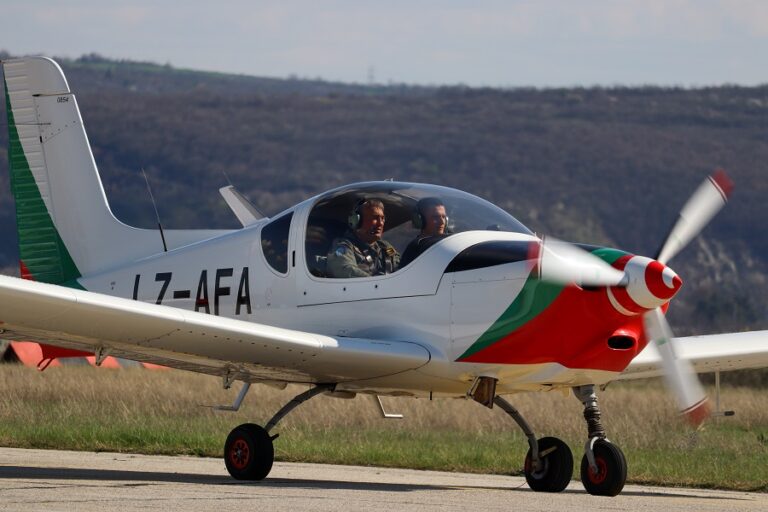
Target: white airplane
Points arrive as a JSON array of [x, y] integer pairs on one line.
[[488, 309]]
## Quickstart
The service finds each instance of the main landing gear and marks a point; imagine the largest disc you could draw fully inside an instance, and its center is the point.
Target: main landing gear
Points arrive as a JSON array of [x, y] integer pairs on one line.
[[549, 461], [248, 451]]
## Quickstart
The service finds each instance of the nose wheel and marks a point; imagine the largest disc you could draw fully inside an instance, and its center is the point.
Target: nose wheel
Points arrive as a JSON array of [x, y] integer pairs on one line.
[[609, 472]]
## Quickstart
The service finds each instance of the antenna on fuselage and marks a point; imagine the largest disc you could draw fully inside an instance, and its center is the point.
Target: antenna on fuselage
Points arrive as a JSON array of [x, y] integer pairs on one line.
[[157, 214]]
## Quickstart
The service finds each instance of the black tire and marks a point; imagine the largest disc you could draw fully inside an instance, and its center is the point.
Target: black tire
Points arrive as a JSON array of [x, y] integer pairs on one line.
[[612, 470], [557, 466], [248, 452]]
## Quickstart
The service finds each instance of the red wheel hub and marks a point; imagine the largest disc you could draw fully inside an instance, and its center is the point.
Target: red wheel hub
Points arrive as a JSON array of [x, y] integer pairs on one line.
[[239, 453], [602, 471]]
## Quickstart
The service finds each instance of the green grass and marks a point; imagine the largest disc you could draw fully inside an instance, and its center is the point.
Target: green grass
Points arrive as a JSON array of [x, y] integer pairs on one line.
[[159, 413]]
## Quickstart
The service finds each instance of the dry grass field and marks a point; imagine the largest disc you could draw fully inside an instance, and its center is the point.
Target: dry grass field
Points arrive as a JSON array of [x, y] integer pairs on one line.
[[163, 412]]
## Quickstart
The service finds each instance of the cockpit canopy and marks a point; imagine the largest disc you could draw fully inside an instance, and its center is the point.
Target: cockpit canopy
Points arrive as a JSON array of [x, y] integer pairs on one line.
[[329, 218]]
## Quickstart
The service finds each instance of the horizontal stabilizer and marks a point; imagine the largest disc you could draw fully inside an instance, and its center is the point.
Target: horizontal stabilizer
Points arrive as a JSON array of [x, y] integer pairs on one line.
[[245, 212]]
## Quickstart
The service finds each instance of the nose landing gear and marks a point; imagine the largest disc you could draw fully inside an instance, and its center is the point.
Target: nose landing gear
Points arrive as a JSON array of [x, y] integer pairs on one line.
[[603, 467]]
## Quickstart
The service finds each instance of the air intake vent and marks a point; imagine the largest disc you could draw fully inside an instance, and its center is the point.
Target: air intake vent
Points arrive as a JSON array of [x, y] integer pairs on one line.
[[621, 342]]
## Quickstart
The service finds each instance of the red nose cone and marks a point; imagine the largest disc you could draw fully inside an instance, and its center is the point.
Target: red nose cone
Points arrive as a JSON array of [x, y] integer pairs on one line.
[[662, 281]]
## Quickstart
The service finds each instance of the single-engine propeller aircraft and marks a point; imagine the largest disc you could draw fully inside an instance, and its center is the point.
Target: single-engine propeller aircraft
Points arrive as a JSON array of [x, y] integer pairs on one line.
[[483, 310]]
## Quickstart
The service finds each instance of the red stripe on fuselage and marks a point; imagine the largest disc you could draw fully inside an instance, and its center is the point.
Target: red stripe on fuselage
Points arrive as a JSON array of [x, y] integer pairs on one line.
[[24, 271], [573, 331]]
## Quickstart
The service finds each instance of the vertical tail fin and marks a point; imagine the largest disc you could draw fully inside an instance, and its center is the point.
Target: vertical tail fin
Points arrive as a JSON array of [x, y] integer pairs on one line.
[[66, 229], [42, 253]]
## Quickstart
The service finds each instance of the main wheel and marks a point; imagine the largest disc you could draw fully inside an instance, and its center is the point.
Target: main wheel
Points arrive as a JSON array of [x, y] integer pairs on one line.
[[556, 469], [611, 470], [248, 452]]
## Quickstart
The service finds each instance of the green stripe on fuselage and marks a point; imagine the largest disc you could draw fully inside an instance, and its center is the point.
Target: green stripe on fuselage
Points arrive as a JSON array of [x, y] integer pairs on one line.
[[41, 248], [535, 297], [609, 255]]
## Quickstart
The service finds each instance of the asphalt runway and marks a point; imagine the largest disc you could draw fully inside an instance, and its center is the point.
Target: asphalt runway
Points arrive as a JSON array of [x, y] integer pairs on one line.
[[32, 480]]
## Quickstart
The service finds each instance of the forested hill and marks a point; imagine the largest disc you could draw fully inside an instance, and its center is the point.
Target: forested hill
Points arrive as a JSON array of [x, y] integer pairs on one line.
[[607, 166]]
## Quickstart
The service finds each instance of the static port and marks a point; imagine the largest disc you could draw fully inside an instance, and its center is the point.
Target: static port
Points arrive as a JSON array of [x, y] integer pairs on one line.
[[621, 342]]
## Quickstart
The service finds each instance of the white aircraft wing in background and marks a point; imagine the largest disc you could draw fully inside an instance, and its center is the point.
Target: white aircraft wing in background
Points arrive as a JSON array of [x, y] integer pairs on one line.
[[715, 352]]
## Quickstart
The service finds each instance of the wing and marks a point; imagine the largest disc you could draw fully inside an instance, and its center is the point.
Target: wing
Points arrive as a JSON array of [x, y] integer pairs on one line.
[[716, 352], [193, 341]]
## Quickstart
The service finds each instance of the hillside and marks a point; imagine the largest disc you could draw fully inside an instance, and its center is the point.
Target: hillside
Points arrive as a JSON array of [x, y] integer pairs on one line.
[[607, 166]]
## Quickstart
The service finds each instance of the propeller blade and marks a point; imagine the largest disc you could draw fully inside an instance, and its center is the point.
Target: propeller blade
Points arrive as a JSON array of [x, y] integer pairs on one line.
[[563, 263], [705, 202], [679, 373]]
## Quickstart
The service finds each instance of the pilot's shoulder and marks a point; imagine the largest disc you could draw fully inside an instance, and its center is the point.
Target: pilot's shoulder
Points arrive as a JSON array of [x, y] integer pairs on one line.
[[341, 246], [342, 240]]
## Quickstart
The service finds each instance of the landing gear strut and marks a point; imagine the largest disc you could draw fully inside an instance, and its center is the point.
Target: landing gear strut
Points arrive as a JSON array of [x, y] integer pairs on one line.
[[603, 467], [549, 462], [248, 451]]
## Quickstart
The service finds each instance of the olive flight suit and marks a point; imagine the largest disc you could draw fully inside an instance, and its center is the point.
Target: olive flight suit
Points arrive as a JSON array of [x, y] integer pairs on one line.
[[351, 257]]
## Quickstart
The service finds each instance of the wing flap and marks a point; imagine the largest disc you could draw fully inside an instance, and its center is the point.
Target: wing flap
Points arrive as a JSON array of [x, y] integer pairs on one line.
[[160, 334], [716, 352]]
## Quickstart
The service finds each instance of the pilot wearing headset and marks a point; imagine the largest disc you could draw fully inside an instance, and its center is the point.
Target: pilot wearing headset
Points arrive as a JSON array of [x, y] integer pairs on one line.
[[361, 252], [430, 217]]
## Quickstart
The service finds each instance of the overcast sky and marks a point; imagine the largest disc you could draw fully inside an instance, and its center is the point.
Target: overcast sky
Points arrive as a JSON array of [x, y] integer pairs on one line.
[[495, 43]]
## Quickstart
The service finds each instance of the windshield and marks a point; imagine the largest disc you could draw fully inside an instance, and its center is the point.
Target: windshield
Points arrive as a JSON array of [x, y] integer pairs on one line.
[[337, 217]]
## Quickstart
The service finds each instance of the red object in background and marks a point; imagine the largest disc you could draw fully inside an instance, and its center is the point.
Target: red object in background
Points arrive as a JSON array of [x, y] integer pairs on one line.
[[29, 353], [42, 356]]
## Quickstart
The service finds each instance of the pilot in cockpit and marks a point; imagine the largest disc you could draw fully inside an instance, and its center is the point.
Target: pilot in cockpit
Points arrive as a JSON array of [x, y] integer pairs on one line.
[[431, 218], [361, 252]]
